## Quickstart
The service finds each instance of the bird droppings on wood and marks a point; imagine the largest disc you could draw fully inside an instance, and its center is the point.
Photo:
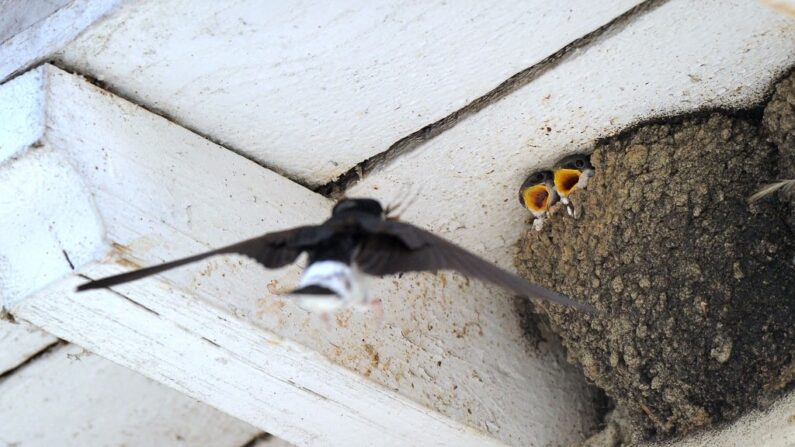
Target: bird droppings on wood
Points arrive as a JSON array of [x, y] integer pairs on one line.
[[342, 318], [696, 286], [123, 256], [5, 315], [268, 306], [375, 358]]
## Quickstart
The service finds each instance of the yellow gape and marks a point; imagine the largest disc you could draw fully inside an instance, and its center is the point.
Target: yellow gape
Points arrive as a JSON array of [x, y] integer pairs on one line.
[[536, 198], [566, 180]]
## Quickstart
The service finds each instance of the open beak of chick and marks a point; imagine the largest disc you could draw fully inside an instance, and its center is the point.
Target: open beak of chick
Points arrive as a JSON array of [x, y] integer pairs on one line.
[[537, 194], [572, 173]]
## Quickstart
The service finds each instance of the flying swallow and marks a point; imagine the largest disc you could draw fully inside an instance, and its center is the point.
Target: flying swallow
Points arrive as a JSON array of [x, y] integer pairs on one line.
[[572, 173], [358, 239], [537, 194]]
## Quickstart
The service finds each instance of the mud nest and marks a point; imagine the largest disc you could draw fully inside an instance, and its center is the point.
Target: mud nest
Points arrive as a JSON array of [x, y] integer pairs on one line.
[[696, 287]]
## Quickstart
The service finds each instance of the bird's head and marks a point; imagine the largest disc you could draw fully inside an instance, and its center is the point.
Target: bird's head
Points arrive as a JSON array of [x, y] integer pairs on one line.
[[569, 170], [536, 191], [358, 205]]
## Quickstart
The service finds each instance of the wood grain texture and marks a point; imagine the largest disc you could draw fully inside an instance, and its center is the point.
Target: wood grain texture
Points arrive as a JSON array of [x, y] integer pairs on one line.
[[71, 397], [463, 374], [316, 87]]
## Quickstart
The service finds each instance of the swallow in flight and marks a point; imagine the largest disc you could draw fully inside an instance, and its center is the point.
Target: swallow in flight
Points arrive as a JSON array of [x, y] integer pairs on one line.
[[358, 239]]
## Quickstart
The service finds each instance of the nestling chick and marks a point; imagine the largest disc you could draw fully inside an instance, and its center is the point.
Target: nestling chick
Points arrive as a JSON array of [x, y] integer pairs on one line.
[[537, 194]]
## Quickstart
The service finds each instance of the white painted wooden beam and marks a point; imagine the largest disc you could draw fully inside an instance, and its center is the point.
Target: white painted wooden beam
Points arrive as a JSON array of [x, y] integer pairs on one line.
[[31, 30], [314, 87], [70, 397], [135, 189]]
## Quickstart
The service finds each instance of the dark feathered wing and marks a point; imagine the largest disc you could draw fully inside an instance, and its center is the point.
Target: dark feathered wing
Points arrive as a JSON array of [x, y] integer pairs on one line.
[[393, 247], [272, 250]]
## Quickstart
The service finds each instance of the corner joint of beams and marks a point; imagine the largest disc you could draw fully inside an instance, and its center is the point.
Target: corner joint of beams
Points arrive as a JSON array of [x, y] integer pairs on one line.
[[47, 218]]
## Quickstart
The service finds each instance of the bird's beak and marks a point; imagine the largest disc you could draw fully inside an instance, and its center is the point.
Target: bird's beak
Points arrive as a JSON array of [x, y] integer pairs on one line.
[[566, 180], [536, 198]]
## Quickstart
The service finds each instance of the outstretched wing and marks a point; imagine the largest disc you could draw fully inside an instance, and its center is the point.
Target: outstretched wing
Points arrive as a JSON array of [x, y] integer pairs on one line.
[[391, 247], [272, 250]]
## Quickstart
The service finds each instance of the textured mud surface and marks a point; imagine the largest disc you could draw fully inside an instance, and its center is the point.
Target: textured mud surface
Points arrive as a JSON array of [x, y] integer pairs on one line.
[[779, 127], [697, 288]]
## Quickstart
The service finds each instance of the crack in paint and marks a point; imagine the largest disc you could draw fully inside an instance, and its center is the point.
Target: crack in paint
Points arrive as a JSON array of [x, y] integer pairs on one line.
[[257, 439], [124, 296], [35, 356]]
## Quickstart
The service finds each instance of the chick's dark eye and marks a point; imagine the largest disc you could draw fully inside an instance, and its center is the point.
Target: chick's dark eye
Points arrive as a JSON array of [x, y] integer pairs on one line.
[[579, 163]]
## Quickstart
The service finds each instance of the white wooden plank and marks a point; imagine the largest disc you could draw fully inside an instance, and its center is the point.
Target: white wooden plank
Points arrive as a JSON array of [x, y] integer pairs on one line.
[[31, 30], [18, 342], [314, 87], [431, 373], [70, 397], [257, 376]]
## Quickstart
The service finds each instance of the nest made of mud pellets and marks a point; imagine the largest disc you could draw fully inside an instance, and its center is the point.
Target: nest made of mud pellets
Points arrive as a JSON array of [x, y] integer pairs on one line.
[[697, 288]]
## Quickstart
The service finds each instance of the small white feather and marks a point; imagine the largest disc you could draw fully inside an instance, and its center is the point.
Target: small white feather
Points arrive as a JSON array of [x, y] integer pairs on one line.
[[346, 281], [785, 186]]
